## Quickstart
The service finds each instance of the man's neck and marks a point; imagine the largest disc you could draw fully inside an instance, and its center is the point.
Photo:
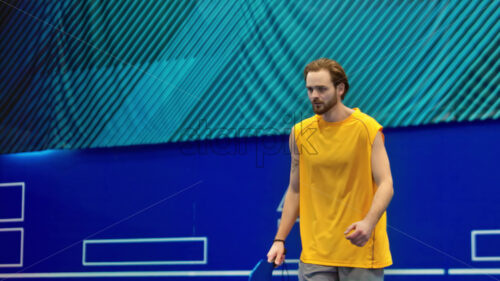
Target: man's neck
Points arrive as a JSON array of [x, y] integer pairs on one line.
[[337, 113]]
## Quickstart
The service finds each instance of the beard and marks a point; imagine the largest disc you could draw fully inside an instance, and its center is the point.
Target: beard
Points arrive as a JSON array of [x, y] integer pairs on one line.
[[320, 107]]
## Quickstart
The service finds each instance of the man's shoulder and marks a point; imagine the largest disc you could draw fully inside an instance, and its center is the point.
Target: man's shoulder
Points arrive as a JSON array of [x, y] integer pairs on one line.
[[365, 118], [371, 125], [305, 123]]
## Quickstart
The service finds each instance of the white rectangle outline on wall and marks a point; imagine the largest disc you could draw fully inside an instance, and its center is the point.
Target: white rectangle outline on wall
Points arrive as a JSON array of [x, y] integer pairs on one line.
[[474, 233], [145, 240], [22, 202], [21, 248]]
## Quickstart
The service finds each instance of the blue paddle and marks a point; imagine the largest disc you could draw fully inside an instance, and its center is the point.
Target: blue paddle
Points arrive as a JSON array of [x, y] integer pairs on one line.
[[263, 271]]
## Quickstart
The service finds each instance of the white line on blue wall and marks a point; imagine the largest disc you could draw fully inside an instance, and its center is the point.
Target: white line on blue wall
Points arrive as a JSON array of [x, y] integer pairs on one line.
[[128, 274], [225, 273], [413, 271], [474, 271], [236, 273]]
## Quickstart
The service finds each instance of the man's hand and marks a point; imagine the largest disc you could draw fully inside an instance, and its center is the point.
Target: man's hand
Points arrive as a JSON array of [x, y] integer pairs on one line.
[[362, 232], [277, 253]]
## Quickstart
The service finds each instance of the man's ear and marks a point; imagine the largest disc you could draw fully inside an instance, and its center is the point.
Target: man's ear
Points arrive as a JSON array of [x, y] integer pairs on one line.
[[340, 89]]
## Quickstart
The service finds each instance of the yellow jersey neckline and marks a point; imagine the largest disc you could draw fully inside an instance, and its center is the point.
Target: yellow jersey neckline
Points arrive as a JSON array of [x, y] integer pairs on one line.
[[320, 119]]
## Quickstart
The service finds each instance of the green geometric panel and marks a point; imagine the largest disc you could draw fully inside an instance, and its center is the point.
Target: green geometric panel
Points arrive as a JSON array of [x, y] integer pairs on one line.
[[84, 74]]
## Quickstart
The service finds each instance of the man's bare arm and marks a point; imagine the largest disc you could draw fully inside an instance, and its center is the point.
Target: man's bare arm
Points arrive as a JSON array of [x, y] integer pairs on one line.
[[291, 204], [290, 207], [381, 172]]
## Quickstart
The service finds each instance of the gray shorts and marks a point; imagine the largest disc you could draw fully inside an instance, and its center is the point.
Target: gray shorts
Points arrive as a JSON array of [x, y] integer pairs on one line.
[[314, 272]]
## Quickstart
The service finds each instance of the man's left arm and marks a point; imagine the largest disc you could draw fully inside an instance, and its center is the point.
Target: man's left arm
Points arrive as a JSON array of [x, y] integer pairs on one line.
[[381, 172]]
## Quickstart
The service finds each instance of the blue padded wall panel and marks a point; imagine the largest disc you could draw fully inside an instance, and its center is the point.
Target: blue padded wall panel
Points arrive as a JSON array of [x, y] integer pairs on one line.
[[228, 192]]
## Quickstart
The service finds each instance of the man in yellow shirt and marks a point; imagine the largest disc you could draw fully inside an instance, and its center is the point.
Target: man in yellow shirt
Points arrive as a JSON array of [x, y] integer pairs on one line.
[[340, 183]]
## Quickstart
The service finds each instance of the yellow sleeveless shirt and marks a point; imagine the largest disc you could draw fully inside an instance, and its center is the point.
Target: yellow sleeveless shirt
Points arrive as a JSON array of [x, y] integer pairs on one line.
[[337, 189]]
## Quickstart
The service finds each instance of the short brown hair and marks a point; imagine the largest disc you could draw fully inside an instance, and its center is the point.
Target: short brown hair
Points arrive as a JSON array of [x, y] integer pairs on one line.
[[337, 73]]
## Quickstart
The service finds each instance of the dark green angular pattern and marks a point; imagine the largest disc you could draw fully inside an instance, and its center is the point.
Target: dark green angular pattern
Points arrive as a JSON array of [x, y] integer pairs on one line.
[[86, 74]]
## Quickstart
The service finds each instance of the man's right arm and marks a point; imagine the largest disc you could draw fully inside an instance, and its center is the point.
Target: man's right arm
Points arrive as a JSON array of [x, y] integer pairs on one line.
[[290, 206]]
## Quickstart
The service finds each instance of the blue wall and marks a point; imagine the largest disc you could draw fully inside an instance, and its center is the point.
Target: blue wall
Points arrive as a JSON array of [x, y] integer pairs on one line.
[[446, 180]]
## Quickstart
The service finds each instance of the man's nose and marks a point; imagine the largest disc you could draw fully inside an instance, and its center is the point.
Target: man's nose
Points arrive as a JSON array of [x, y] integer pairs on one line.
[[314, 94]]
